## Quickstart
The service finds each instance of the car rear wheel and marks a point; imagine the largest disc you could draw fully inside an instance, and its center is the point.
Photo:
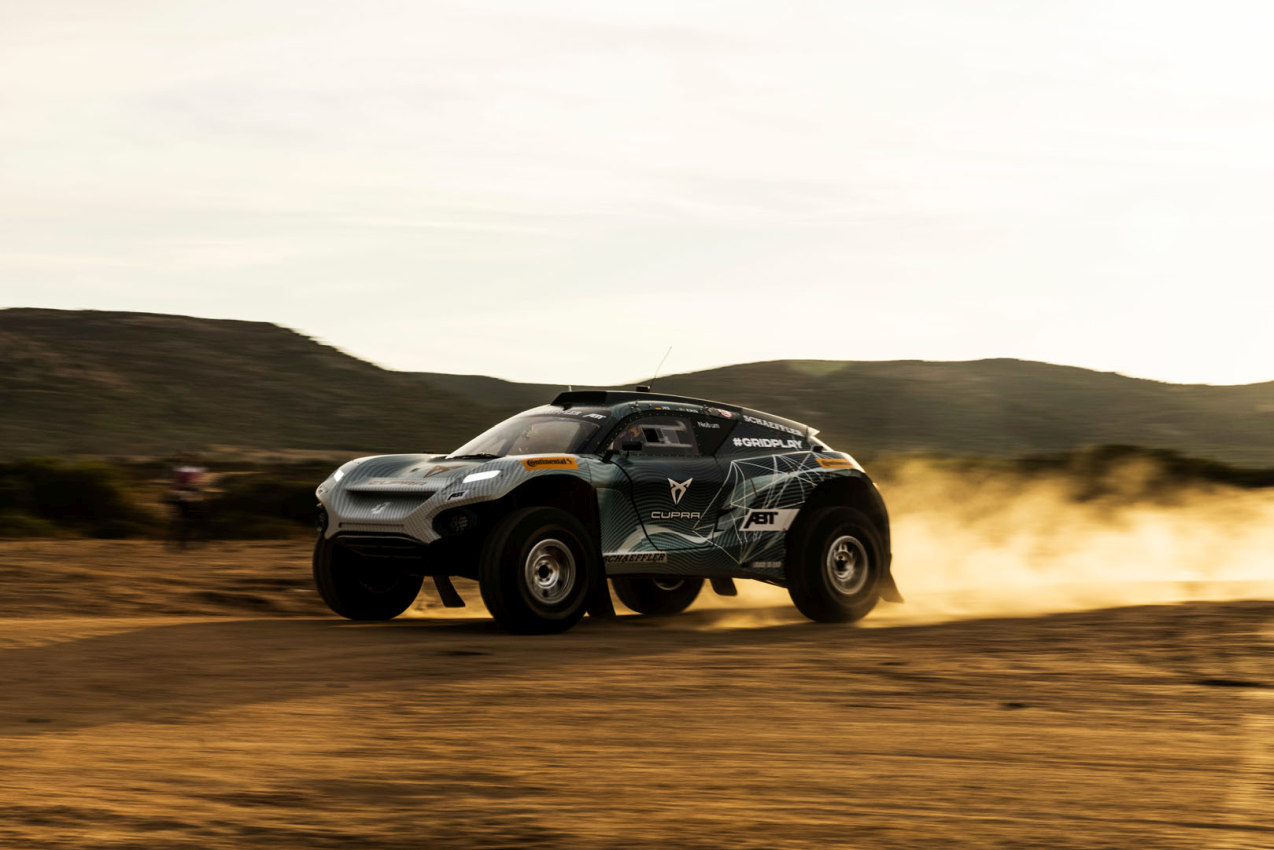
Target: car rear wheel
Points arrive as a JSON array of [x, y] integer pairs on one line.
[[361, 588], [657, 596], [536, 569], [833, 565]]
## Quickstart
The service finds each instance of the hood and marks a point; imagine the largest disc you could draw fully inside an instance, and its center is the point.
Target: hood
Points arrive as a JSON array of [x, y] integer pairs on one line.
[[403, 475], [406, 474]]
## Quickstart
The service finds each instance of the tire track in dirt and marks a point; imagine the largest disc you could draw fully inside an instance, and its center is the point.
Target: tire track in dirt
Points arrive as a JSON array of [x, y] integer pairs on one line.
[[1251, 794]]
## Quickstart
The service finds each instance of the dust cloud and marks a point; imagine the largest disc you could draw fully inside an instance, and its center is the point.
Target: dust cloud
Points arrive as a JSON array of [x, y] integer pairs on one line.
[[974, 541]]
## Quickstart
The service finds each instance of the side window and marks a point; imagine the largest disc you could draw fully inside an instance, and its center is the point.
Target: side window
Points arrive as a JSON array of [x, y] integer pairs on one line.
[[660, 436], [710, 432]]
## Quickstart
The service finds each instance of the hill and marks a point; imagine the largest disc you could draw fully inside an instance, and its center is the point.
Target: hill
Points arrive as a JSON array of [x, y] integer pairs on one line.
[[138, 383], [135, 383], [998, 407]]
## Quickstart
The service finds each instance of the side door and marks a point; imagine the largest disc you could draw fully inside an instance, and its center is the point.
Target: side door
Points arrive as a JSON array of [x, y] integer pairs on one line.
[[769, 475], [675, 485]]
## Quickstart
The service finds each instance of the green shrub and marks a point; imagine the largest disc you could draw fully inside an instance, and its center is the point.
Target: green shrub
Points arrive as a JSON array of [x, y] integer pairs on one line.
[[262, 505], [13, 524], [83, 496]]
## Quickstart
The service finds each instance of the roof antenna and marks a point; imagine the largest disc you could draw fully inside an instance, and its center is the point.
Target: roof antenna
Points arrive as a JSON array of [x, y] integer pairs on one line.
[[646, 389]]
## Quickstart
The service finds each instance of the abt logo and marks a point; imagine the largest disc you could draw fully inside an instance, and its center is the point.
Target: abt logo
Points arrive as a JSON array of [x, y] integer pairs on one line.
[[768, 519], [759, 518]]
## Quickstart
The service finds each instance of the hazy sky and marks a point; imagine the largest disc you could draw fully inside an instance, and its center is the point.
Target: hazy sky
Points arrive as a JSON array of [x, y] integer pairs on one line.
[[559, 191]]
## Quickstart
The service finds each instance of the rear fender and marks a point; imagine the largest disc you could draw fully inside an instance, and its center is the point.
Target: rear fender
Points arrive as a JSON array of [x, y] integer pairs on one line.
[[857, 491]]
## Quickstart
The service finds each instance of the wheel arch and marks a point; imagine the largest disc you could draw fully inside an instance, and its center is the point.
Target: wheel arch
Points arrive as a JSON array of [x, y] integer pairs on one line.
[[858, 492], [568, 492]]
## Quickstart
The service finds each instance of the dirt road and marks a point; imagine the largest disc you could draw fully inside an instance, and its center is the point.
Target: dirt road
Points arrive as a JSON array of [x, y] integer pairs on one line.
[[1147, 726]]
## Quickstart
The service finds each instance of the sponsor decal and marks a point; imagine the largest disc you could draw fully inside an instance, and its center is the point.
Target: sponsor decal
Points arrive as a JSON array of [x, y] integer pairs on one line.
[[675, 515], [768, 443], [534, 463], [679, 489], [636, 558], [766, 423], [835, 463], [768, 519], [437, 470], [379, 509], [708, 424], [459, 494], [594, 416], [722, 413], [393, 482], [766, 565]]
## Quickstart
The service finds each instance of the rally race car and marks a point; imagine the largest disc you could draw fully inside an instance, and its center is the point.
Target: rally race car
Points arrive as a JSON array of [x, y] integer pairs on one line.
[[654, 492]]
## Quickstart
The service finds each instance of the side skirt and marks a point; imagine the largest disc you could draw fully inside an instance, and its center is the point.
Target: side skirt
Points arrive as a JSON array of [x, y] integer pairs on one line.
[[702, 563]]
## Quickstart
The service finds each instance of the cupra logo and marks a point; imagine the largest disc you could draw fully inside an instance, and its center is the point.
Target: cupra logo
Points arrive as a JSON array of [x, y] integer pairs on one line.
[[380, 507], [679, 490]]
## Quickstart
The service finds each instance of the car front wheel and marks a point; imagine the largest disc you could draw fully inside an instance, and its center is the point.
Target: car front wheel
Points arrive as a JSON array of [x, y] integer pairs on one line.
[[361, 588], [833, 565], [536, 569]]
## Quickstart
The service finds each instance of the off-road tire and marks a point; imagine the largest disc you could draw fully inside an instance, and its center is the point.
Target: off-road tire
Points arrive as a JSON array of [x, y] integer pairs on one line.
[[361, 588], [657, 596], [834, 563], [537, 569]]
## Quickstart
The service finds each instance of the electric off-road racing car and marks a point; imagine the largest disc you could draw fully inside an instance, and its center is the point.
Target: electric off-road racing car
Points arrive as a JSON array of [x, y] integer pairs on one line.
[[655, 493]]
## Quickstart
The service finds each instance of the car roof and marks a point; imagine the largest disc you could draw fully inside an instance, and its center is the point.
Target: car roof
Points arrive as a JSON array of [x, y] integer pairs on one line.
[[611, 398], [643, 400]]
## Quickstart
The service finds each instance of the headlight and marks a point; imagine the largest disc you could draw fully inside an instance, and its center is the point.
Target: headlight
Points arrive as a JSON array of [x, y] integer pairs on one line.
[[480, 476], [346, 467]]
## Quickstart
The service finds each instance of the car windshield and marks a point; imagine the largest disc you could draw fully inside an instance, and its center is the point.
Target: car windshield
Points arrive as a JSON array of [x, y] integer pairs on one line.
[[530, 435]]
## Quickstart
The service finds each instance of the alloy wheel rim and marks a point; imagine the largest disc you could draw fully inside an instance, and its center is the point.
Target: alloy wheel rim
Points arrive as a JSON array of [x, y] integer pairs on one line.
[[550, 571], [847, 565]]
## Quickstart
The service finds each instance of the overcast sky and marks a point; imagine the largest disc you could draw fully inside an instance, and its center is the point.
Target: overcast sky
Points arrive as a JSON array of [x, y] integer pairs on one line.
[[559, 191]]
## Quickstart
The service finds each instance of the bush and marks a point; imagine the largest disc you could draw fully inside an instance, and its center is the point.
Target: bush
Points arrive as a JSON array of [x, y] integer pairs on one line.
[[262, 505], [40, 495], [14, 524]]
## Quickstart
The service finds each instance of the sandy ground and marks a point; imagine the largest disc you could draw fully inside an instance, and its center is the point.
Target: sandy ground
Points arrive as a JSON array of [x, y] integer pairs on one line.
[[205, 699]]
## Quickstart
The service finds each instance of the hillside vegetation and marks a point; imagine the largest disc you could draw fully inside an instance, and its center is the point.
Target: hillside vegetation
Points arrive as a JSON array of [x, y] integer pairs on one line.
[[97, 383], [143, 384], [47, 497], [997, 407]]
